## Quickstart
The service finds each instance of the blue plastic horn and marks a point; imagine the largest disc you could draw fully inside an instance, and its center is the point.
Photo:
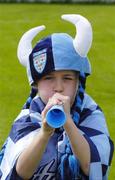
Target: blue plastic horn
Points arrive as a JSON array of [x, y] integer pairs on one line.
[[56, 116]]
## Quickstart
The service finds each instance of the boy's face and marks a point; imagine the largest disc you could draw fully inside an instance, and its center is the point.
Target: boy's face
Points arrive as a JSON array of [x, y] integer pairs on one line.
[[63, 82]]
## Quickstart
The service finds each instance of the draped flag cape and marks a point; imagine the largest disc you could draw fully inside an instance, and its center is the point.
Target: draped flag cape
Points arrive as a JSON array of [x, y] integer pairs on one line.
[[91, 125]]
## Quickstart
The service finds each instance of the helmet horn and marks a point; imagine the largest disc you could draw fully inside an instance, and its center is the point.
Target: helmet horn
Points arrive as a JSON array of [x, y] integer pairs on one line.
[[25, 46], [83, 39]]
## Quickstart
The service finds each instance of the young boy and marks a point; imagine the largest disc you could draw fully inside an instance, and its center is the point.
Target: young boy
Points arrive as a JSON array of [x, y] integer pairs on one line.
[[57, 69]]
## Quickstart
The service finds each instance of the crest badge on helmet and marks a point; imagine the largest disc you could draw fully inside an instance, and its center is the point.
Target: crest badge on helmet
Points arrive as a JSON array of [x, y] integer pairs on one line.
[[39, 60]]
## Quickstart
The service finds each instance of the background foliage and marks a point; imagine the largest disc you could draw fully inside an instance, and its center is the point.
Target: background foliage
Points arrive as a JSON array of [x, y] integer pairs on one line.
[[15, 19]]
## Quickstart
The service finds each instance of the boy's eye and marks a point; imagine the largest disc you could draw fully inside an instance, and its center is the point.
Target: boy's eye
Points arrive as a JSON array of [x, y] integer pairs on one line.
[[48, 77], [68, 78]]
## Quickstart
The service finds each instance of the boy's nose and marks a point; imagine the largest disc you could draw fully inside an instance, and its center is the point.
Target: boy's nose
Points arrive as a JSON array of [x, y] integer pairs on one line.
[[58, 86]]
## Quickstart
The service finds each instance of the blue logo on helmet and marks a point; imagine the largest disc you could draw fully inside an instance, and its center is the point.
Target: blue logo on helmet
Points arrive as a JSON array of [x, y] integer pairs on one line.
[[39, 60]]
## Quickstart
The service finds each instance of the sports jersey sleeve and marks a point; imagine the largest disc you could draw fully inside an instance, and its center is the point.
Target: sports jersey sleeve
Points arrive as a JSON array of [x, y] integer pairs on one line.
[[24, 129], [94, 129]]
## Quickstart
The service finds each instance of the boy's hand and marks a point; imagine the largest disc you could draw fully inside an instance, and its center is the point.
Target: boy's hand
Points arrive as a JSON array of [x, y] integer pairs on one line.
[[45, 127]]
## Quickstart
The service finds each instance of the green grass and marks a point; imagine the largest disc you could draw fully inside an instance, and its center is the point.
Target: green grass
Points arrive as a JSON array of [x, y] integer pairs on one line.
[[15, 19]]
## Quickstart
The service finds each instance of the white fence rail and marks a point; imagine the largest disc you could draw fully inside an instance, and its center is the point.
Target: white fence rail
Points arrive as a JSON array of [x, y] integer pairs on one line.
[[61, 1]]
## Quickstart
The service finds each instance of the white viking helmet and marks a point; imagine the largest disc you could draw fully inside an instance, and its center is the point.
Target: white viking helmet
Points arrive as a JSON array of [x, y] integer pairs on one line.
[[58, 51]]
